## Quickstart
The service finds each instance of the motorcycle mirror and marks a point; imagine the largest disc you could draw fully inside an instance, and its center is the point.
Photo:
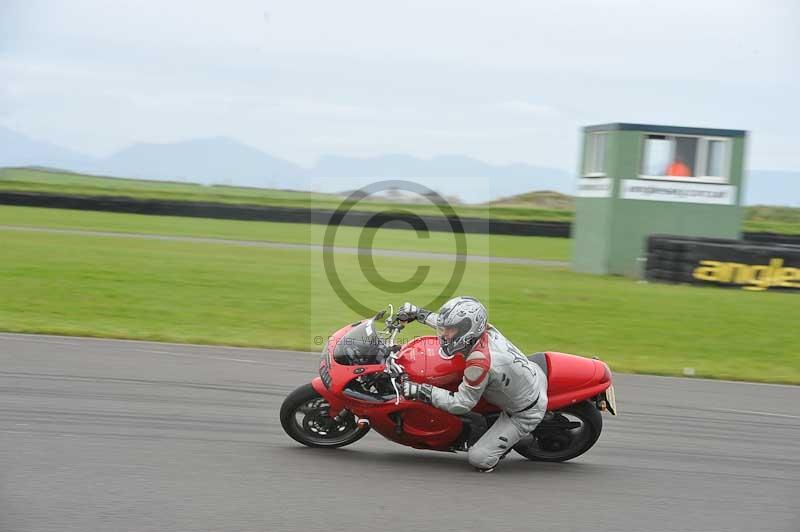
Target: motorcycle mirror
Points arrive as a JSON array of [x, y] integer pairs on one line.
[[379, 315]]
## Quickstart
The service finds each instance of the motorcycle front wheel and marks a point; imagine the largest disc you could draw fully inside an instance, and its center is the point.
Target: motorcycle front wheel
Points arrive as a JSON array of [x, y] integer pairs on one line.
[[563, 435], [305, 418]]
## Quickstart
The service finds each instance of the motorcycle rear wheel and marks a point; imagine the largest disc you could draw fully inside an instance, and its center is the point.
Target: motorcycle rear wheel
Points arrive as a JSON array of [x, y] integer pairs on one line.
[[554, 445], [304, 417]]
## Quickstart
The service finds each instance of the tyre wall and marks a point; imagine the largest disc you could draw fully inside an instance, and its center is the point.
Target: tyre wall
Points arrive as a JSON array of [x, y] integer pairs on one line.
[[748, 265]]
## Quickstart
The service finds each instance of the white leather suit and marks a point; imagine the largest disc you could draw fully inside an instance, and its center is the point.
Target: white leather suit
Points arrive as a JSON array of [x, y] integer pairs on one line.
[[498, 371]]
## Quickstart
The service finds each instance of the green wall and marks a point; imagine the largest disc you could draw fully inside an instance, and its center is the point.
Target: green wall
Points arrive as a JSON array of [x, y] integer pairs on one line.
[[610, 234]]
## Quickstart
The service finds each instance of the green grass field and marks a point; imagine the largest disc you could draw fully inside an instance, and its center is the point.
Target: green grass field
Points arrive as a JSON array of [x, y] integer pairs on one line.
[[33, 180], [228, 294], [396, 239], [529, 206], [773, 219]]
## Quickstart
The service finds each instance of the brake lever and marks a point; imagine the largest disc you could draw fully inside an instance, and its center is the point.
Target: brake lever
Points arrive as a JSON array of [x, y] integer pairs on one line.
[[394, 324], [392, 367], [395, 371], [396, 390]]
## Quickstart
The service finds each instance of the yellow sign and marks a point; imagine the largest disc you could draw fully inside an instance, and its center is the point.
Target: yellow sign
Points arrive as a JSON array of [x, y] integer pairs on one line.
[[751, 277]]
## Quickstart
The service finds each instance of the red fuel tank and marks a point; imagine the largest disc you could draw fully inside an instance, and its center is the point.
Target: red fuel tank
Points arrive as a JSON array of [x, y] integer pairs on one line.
[[421, 360], [570, 378]]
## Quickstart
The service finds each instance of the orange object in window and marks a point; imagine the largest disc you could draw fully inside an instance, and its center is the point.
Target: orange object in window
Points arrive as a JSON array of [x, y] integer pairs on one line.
[[679, 169]]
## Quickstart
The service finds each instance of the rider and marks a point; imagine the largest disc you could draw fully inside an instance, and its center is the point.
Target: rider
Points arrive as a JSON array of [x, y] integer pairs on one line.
[[494, 368]]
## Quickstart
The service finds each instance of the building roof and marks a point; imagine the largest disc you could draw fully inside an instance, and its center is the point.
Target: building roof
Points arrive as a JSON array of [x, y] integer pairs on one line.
[[668, 130]]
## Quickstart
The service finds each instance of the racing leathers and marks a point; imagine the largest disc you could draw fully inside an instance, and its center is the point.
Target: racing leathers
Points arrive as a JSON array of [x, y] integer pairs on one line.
[[497, 370]]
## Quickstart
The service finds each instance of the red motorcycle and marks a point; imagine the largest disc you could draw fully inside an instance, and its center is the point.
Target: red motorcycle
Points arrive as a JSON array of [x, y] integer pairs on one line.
[[358, 389]]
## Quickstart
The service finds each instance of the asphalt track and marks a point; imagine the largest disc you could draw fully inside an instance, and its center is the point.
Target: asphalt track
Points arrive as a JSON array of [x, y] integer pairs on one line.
[[100, 435]]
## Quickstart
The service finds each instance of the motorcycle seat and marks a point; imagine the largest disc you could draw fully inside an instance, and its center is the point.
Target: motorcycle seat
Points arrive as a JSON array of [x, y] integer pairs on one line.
[[541, 360]]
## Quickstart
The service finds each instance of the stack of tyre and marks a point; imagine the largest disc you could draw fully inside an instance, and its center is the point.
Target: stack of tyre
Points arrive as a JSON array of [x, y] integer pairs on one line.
[[773, 238], [669, 259], [672, 259]]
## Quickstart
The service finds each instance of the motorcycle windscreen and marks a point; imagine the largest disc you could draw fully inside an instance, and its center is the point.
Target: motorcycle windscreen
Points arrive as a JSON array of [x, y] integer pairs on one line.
[[360, 345]]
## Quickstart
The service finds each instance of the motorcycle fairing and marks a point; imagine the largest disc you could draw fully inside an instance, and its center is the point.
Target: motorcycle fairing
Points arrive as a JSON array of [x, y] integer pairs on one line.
[[570, 379]]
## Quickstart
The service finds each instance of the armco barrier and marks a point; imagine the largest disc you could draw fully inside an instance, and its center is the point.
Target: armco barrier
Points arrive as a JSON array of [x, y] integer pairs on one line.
[[772, 238], [301, 215], [727, 263], [280, 214]]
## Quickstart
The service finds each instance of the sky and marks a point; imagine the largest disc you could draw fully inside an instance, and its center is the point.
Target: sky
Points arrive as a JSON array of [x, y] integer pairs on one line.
[[502, 81]]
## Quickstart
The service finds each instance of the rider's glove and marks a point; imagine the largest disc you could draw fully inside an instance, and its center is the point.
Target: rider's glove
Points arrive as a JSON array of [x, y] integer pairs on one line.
[[413, 390], [409, 312]]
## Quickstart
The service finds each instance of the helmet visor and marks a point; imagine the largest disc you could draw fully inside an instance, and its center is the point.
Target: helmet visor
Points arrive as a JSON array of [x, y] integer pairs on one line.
[[451, 337], [447, 333]]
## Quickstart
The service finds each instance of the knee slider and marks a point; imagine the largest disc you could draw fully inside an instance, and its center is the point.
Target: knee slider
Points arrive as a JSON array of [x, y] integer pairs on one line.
[[480, 458]]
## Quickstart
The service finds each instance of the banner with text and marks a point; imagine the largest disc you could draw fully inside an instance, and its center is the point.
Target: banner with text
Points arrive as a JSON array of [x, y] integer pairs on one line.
[[728, 263], [652, 190]]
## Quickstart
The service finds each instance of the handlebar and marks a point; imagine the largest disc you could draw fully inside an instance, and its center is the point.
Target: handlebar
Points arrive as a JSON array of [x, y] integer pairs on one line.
[[395, 372], [391, 367]]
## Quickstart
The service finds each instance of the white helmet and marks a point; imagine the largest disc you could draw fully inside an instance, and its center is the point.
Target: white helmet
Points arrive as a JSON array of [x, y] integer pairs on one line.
[[468, 317]]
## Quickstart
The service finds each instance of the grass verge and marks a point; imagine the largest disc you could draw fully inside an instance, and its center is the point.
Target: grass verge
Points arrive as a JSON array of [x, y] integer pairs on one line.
[[530, 206], [56, 182], [397, 239], [225, 294]]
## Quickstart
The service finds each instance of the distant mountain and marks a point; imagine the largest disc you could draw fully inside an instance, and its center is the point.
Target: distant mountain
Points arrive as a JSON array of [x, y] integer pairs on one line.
[[452, 175], [17, 149], [221, 160], [403, 165], [211, 160]]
